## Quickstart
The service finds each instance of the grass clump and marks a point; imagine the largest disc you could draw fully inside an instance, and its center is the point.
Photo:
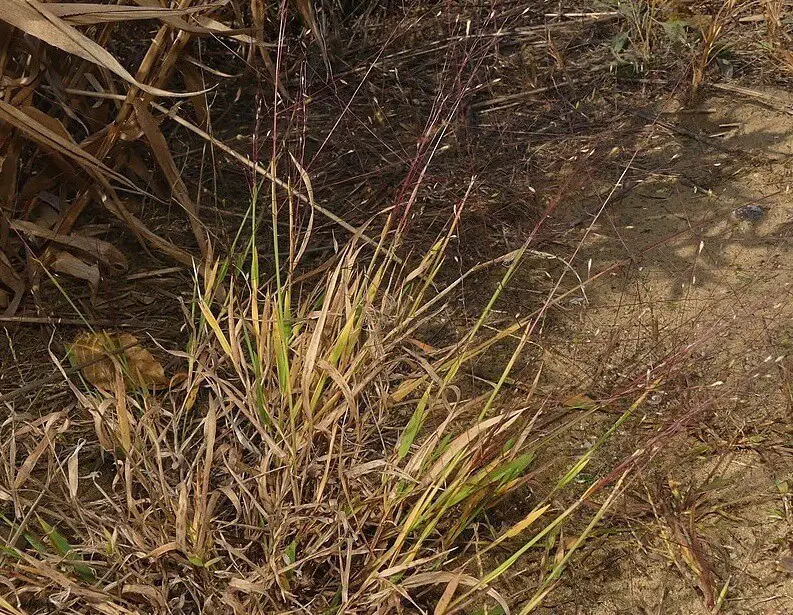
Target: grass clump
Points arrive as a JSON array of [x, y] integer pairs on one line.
[[314, 456]]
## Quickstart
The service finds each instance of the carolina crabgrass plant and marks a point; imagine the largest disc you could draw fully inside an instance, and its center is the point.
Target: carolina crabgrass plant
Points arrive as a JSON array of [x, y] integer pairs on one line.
[[316, 457]]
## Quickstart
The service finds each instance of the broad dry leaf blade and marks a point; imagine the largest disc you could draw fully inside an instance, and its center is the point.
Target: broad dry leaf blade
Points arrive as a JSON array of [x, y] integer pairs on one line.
[[35, 19], [45, 136], [86, 14], [193, 81], [162, 153], [106, 253], [141, 368], [77, 268]]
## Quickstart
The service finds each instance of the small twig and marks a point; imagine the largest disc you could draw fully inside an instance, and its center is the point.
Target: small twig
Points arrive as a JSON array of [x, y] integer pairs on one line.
[[510, 100], [586, 15], [155, 273]]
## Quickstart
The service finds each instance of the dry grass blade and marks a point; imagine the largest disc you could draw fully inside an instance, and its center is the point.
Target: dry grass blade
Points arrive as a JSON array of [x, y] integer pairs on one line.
[[283, 476], [342, 436], [85, 14], [64, 262], [115, 206], [159, 147], [453, 580], [37, 20], [45, 136], [194, 80]]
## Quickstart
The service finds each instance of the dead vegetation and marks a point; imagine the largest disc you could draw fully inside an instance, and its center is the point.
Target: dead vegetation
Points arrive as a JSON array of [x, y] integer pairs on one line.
[[277, 475], [323, 437], [79, 130]]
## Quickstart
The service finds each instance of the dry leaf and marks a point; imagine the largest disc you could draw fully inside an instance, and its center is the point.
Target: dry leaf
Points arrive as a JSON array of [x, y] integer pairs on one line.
[[48, 179], [579, 402], [88, 14], [73, 266], [118, 208], [107, 254], [46, 137], [124, 419], [194, 81], [422, 346], [133, 161], [447, 596], [32, 458], [151, 594], [82, 14], [50, 122], [139, 367], [43, 214], [73, 466]]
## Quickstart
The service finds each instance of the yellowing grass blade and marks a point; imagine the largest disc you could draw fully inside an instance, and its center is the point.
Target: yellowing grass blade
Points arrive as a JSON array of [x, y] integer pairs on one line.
[[213, 324], [9, 608], [465, 439], [310, 193], [448, 594], [319, 330], [414, 425], [521, 525]]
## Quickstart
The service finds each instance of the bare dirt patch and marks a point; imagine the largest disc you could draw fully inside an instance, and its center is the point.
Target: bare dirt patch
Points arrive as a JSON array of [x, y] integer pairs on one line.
[[704, 250]]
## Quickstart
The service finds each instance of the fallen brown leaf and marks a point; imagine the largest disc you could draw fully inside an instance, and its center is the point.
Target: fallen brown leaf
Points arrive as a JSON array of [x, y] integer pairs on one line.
[[73, 266], [139, 367], [579, 402], [106, 253]]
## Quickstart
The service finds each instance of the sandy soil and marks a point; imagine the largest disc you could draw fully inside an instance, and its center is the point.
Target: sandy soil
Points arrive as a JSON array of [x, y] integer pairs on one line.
[[704, 244]]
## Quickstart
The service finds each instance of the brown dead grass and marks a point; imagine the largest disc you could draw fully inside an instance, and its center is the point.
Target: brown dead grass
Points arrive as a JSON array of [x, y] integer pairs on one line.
[[314, 452], [314, 456]]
